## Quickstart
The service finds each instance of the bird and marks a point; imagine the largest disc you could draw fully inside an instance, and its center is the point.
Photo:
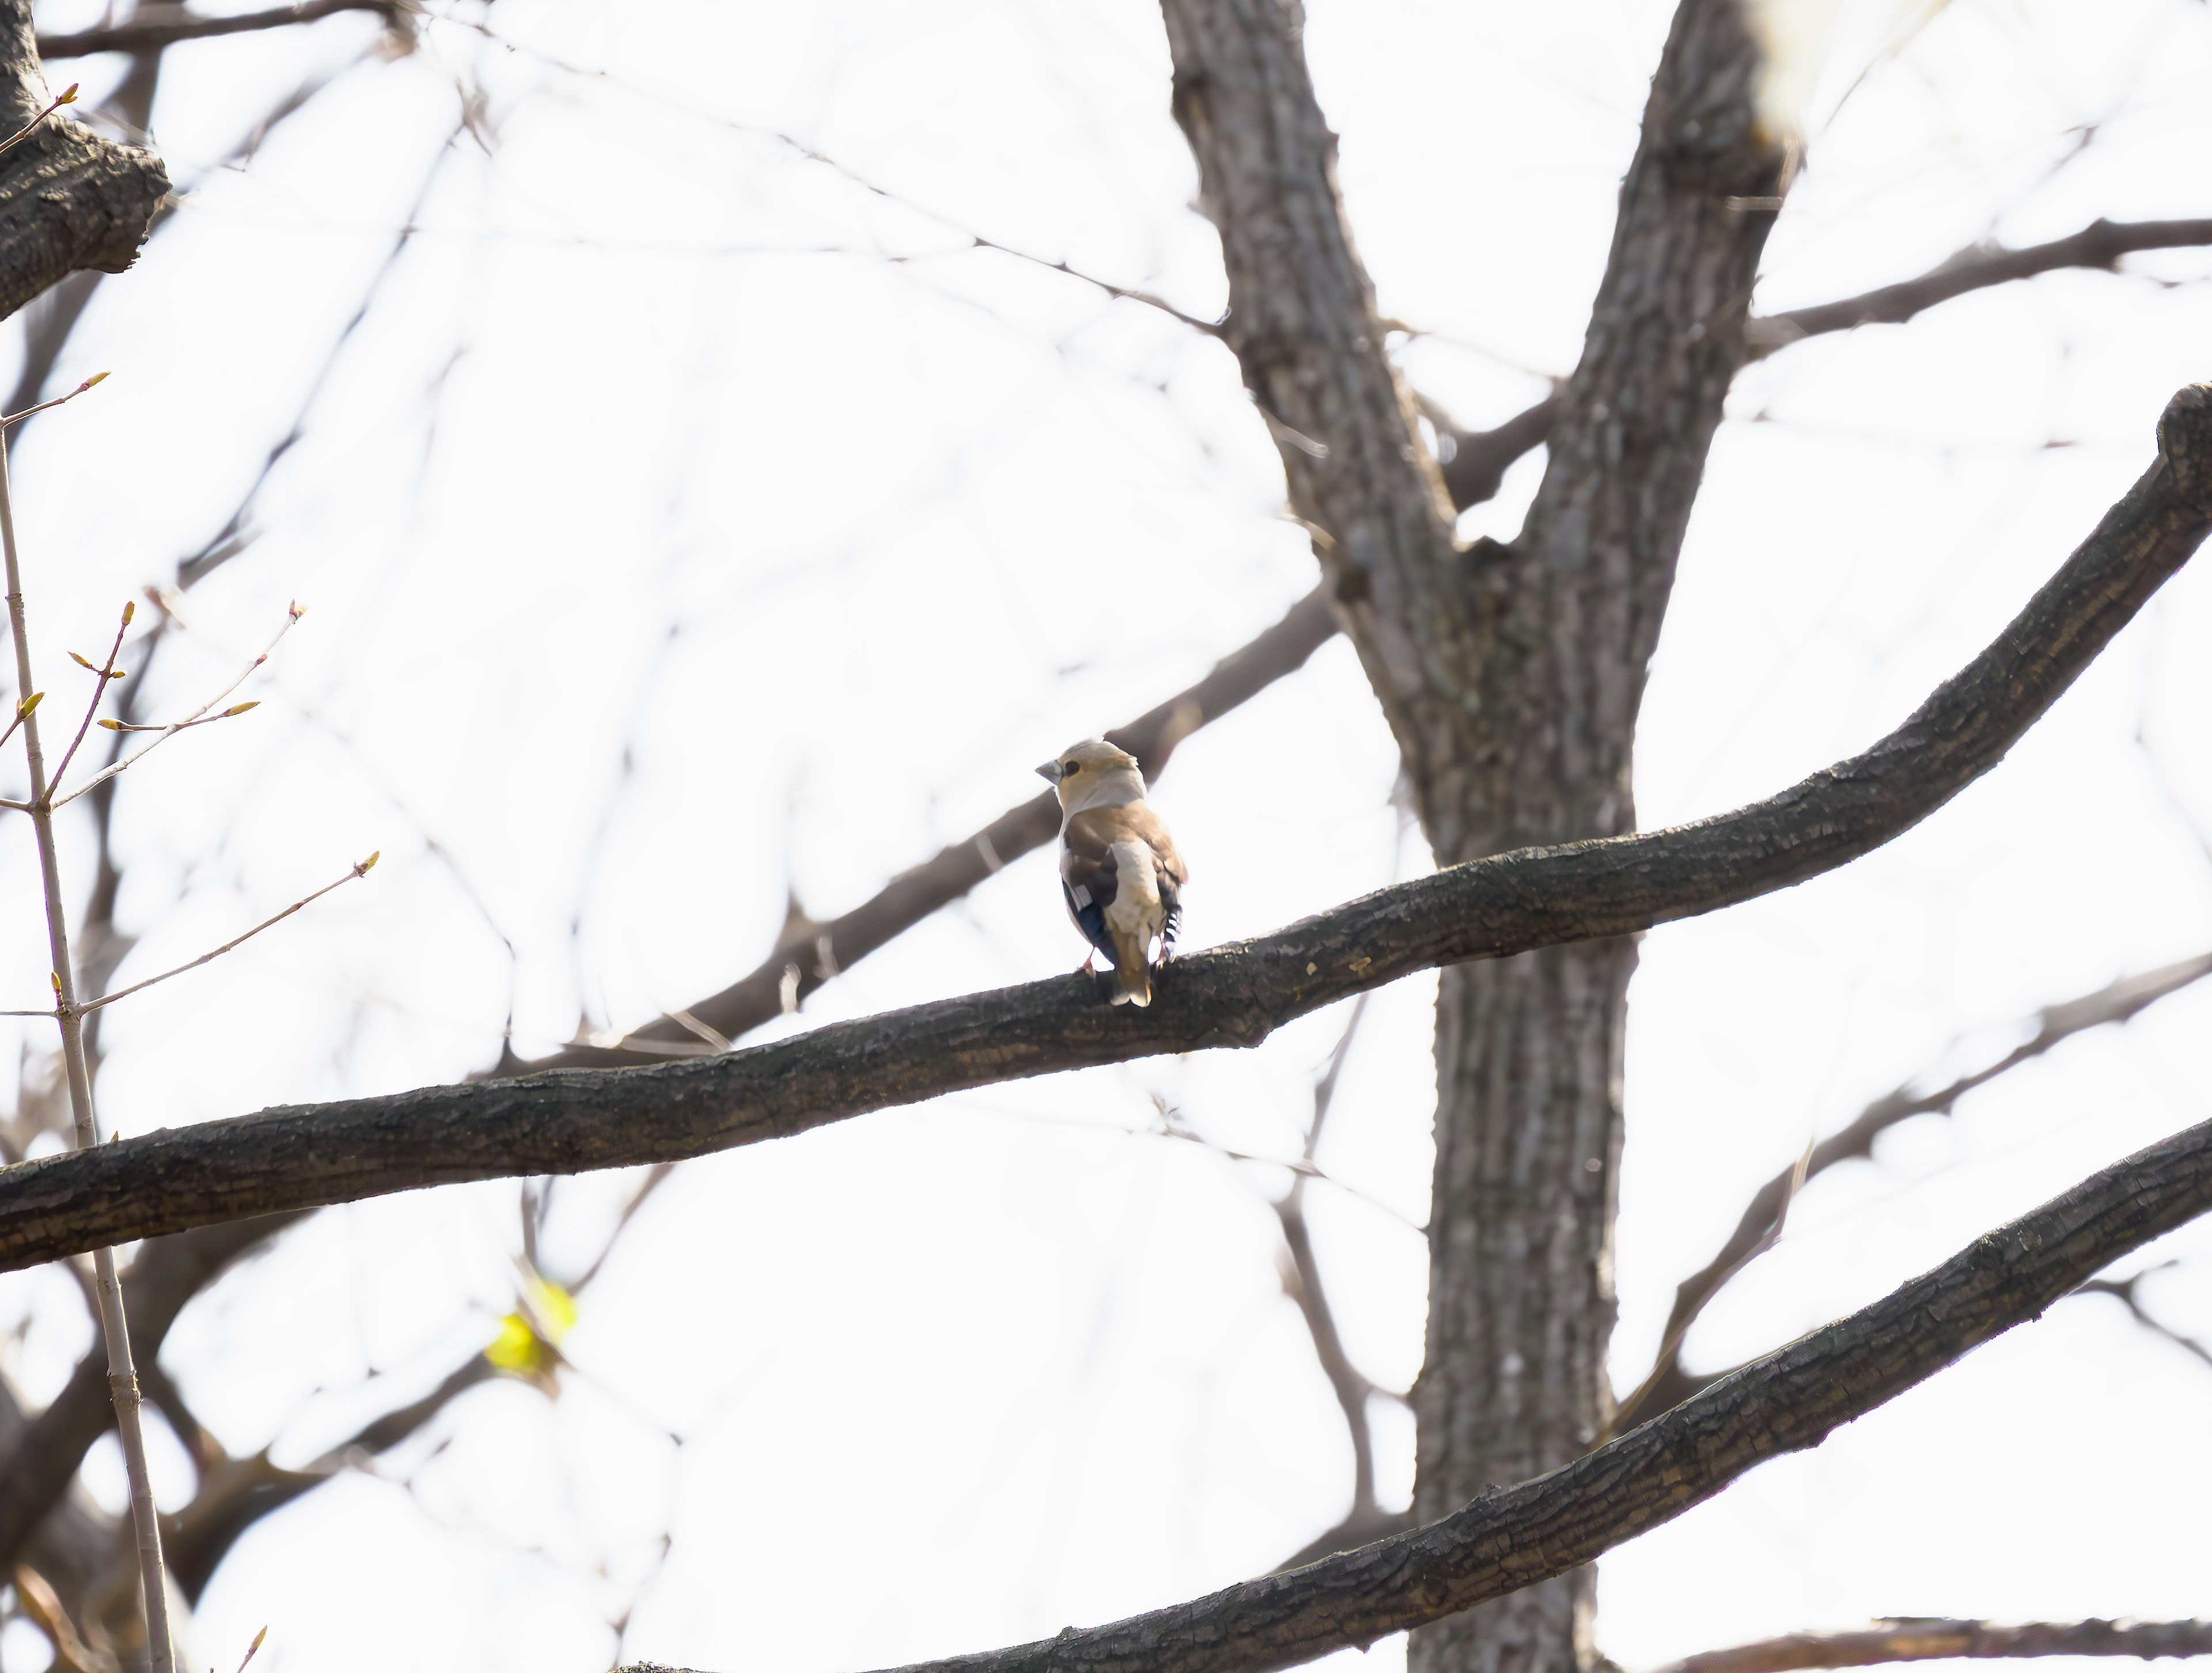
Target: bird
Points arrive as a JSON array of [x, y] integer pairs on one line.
[[1118, 871]]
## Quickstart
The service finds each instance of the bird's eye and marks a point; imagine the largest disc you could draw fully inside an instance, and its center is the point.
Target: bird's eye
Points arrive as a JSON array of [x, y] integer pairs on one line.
[[1071, 769]]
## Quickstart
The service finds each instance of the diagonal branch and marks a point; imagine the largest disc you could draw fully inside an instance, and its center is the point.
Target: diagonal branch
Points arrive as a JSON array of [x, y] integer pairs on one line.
[[1480, 458], [2098, 245], [564, 1122], [158, 24], [1669, 1381], [811, 953], [1915, 1638], [1791, 1400]]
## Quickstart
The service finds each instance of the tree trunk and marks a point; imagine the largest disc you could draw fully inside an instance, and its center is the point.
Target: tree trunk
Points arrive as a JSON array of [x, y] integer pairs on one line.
[[1511, 676]]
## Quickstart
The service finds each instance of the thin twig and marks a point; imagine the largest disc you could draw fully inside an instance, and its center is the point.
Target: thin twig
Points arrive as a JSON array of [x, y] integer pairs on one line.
[[123, 1379], [67, 97], [103, 676], [360, 869], [59, 400], [291, 615]]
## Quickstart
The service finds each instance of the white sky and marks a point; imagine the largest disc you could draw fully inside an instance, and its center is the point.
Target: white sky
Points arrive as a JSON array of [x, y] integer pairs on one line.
[[684, 520]]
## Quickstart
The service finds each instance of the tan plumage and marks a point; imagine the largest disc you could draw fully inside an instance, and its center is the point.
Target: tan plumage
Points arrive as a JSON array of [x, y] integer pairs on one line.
[[1119, 875]]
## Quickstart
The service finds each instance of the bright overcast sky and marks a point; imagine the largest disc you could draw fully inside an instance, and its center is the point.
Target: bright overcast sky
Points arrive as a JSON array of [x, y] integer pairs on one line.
[[687, 521]]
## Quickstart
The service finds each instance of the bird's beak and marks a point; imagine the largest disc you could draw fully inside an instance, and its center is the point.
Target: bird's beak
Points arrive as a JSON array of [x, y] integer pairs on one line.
[[1049, 772]]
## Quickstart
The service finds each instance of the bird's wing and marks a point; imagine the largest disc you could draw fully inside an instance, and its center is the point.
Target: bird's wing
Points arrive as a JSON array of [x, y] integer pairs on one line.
[[1088, 878], [1091, 838]]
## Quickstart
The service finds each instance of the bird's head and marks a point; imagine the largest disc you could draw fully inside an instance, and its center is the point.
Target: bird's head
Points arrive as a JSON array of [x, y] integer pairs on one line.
[[1094, 774]]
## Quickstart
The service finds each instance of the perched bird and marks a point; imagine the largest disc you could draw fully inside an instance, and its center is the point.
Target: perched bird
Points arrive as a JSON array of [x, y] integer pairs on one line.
[[1118, 871]]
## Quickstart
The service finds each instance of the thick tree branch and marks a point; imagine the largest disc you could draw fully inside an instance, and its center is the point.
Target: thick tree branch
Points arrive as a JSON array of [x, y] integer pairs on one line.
[[1912, 1638], [1669, 1382], [567, 1120], [69, 199], [1478, 462], [809, 953], [1791, 1400], [153, 26]]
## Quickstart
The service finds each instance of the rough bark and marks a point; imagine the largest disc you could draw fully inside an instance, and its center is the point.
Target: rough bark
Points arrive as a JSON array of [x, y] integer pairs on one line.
[[570, 1120], [1514, 1538], [69, 199], [1511, 678]]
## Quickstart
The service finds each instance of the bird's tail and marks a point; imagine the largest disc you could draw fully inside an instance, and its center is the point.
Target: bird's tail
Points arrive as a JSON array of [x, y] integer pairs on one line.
[[1133, 973]]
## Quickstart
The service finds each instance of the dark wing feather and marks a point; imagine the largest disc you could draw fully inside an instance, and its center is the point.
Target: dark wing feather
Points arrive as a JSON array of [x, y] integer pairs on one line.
[[1088, 880]]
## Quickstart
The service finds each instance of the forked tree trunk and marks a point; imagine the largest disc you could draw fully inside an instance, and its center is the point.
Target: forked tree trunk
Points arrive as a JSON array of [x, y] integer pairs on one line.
[[1511, 676]]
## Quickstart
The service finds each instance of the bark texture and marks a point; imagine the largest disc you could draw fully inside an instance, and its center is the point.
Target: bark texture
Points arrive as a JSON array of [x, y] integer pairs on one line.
[[1511, 678], [1517, 1536], [569, 1121], [69, 199]]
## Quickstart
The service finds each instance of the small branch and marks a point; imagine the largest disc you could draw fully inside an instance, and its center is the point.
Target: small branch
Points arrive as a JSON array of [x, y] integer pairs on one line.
[[1912, 1638], [2098, 245], [67, 97], [156, 26], [103, 676], [115, 1327], [170, 731], [1669, 1381], [360, 869], [1791, 1400], [59, 400], [2124, 1292], [1480, 458]]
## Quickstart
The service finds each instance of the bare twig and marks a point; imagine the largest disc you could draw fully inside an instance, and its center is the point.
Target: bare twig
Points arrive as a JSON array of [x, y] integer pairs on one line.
[[2122, 1290], [360, 869], [59, 400], [103, 676], [165, 733], [1480, 458], [67, 96], [1669, 1381], [1915, 1638], [122, 1377]]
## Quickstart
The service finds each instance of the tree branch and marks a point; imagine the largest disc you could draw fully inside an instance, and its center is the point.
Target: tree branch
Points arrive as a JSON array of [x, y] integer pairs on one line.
[[1480, 458], [153, 26], [1478, 462], [1913, 1638], [799, 965], [1669, 1382], [2098, 245], [69, 199], [565, 1121], [1791, 1400]]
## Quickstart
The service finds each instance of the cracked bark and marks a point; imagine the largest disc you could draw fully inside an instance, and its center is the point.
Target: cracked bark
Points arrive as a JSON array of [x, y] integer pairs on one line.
[[1511, 678], [570, 1120], [69, 199]]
